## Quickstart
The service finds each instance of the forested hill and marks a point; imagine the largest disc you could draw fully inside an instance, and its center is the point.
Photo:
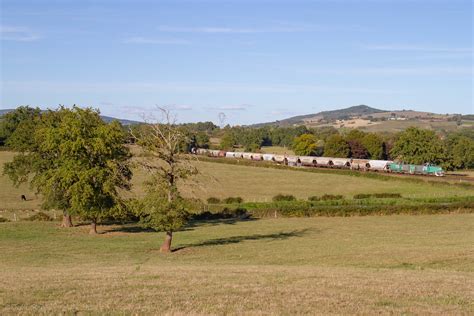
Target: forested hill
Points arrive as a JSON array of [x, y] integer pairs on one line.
[[105, 118], [357, 110]]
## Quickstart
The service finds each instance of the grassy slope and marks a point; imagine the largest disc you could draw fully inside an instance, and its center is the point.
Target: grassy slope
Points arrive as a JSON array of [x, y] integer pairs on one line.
[[389, 264], [256, 184]]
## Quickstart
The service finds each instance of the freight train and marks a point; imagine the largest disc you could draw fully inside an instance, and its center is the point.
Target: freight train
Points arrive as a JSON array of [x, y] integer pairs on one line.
[[329, 162]]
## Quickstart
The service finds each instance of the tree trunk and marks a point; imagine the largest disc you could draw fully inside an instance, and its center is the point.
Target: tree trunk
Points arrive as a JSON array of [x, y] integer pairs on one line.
[[93, 230], [67, 220], [166, 246]]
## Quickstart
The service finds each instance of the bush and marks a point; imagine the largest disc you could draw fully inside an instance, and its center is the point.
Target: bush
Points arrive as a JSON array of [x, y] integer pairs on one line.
[[233, 200], [327, 197], [387, 195], [213, 200], [223, 214], [283, 197], [39, 217], [314, 198], [362, 196], [3, 220]]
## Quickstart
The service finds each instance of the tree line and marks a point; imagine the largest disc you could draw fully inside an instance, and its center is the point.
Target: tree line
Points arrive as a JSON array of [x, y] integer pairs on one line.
[[81, 165]]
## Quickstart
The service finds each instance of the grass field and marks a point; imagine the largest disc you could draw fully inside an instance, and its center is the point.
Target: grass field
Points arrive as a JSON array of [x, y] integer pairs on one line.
[[364, 265], [255, 184]]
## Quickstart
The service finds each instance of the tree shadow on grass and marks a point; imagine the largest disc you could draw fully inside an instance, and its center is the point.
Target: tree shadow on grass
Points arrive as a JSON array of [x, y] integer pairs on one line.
[[241, 238], [192, 224]]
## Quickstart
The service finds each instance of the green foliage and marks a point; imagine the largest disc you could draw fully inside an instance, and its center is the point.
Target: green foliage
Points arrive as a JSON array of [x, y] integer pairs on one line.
[[418, 146], [228, 141], [233, 200], [374, 145], [226, 213], [156, 211], [314, 198], [460, 150], [39, 217], [336, 146], [362, 196], [17, 127], [213, 200], [283, 197], [305, 145], [77, 162], [327, 197]]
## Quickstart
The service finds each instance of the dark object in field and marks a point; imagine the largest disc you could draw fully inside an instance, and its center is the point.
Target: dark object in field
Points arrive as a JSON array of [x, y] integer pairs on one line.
[[23, 197]]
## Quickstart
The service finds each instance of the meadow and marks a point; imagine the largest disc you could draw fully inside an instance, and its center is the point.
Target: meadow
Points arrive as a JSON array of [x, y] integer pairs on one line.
[[360, 264], [255, 184], [365, 265]]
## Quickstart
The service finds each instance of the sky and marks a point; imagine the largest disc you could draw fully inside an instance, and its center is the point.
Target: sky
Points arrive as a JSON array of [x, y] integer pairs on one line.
[[252, 60]]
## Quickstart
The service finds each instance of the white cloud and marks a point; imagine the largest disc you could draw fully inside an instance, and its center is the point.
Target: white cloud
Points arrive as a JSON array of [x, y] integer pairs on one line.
[[242, 107], [19, 34], [178, 87], [229, 30], [148, 40]]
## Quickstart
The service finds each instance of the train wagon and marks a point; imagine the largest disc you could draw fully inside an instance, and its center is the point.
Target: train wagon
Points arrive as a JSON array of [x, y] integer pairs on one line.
[[427, 169]]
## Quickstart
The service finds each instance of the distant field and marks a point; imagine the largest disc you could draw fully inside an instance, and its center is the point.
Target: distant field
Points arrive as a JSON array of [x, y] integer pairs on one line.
[[256, 184], [356, 265], [277, 150], [397, 126]]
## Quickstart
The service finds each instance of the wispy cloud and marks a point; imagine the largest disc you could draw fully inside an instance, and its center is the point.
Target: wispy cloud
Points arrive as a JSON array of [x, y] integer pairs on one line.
[[392, 71], [177, 87], [231, 30], [418, 48], [19, 34], [241, 107], [149, 40]]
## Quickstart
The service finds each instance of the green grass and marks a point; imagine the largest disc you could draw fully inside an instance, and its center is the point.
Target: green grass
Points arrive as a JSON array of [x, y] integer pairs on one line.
[[365, 265], [260, 184]]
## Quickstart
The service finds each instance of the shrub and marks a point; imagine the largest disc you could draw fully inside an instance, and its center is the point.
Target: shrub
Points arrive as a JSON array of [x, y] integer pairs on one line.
[[283, 197], [226, 213], [233, 200], [39, 217], [362, 196], [3, 220], [327, 197], [387, 195], [213, 200], [314, 198]]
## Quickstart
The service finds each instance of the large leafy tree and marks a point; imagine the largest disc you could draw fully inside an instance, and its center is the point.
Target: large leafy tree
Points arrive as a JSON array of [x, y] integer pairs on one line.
[[17, 126], [336, 146], [460, 150], [77, 162], [418, 146], [374, 145], [163, 207], [305, 145]]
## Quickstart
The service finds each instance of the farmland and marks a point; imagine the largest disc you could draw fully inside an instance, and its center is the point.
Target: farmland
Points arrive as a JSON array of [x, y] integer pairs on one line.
[[360, 264], [376, 264], [255, 184]]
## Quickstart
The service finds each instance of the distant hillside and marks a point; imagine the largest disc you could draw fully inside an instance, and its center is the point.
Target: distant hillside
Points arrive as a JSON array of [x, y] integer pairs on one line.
[[106, 119], [358, 110], [376, 120]]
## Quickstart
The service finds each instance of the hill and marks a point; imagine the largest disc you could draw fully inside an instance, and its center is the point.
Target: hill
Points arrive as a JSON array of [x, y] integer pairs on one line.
[[377, 120], [106, 119]]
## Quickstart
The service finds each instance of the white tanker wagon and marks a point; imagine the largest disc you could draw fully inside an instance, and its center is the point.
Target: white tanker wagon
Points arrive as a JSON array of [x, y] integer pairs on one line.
[[328, 162]]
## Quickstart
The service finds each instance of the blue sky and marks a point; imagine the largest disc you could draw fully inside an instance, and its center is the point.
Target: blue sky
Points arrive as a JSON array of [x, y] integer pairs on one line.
[[253, 60]]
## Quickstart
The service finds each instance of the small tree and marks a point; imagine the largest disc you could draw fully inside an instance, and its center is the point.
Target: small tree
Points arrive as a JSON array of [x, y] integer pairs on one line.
[[305, 145], [336, 146], [163, 208]]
